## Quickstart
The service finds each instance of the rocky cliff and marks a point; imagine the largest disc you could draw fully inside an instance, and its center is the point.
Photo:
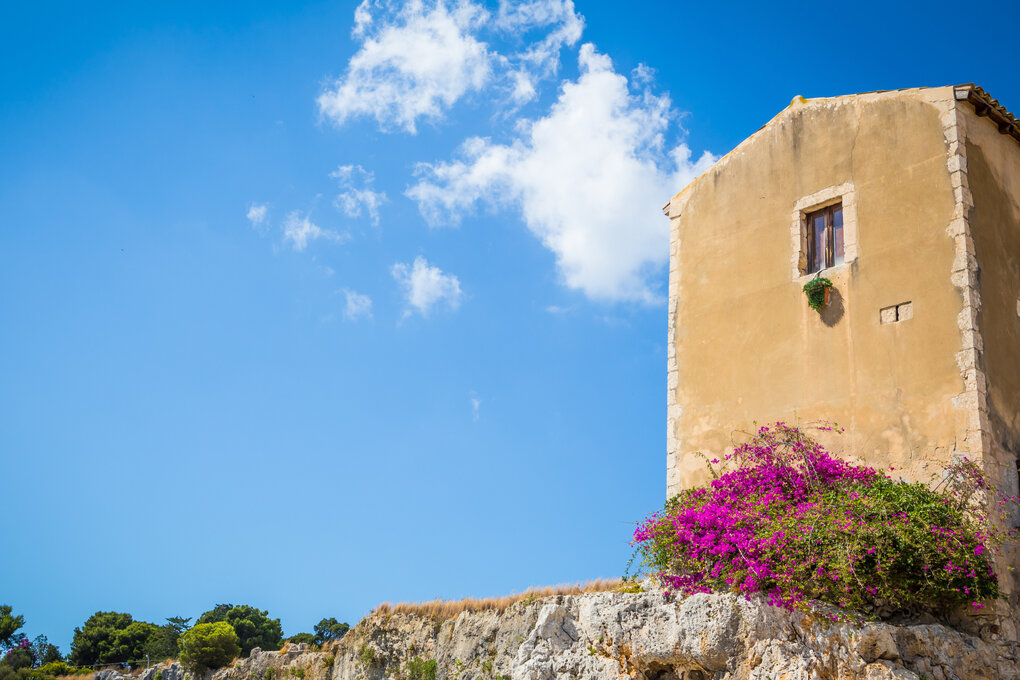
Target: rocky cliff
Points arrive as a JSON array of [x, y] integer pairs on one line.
[[641, 636]]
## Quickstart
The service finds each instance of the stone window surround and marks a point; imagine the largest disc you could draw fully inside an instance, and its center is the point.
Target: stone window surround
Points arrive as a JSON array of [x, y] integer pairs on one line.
[[840, 193]]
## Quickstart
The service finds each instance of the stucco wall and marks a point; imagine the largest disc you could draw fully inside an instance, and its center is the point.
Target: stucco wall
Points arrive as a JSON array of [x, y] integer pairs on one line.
[[746, 347], [993, 168]]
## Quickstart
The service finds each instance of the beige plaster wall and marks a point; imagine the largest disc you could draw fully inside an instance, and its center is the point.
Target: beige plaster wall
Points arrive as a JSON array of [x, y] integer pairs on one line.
[[993, 169], [745, 347]]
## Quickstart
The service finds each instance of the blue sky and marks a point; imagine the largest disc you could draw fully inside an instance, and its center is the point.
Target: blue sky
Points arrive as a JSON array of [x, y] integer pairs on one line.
[[316, 305]]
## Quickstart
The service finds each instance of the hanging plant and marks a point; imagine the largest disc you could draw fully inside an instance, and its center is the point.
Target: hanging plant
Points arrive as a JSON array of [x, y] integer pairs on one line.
[[817, 291]]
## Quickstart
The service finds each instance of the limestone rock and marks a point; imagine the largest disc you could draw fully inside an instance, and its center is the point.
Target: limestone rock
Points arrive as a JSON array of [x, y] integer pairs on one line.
[[645, 636]]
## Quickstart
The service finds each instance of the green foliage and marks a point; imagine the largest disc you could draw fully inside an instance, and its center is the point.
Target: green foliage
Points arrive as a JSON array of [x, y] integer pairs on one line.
[[209, 645], [253, 626], [55, 669], [44, 652], [330, 629], [111, 637], [9, 625], [420, 669], [8, 672], [162, 644], [801, 527], [17, 658], [297, 671], [179, 623], [131, 642], [306, 638], [815, 291], [367, 655], [328, 660], [270, 673]]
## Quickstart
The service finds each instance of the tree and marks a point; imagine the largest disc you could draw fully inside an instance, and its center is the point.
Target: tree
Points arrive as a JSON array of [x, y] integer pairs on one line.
[[18, 657], [306, 638], [130, 643], [45, 652], [111, 637], [9, 626], [253, 626], [163, 644], [209, 645], [330, 629], [179, 623]]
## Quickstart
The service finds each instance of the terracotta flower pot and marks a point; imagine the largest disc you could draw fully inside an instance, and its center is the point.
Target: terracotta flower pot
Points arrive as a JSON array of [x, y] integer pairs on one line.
[[828, 289]]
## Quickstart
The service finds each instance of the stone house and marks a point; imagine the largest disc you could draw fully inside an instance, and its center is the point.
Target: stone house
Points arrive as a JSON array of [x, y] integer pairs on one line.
[[909, 202]]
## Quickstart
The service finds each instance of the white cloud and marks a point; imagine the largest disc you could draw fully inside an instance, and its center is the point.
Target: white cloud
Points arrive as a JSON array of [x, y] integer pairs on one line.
[[541, 58], [257, 215], [589, 179], [414, 62], [476, 407], [426, 286], [352, 199], [357, 305], [300, 230]]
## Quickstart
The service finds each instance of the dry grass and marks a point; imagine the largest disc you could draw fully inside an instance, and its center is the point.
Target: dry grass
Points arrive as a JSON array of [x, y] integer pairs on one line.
[[448, 609]]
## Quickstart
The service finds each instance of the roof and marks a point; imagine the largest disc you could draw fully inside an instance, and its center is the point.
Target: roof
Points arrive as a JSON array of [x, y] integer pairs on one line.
[[983, 104]]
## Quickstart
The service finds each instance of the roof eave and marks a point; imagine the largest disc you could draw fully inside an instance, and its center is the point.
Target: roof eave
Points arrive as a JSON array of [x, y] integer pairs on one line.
[[985, 106]]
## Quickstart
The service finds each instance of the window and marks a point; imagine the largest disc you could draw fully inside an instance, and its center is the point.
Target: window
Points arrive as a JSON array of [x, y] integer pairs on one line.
[[823, 231], [824, 238]]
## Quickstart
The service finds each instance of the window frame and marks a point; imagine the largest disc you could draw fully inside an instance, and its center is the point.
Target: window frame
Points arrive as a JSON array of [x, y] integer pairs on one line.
[[841, 194], [828, 259]]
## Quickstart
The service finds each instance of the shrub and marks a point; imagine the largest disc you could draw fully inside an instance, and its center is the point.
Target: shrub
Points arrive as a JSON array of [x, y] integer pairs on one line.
[[270, 673], [367, 655], [19, 657], [798, 525], [419, 669], [306, 638], [209, 645], [297, 671], [54, 669]]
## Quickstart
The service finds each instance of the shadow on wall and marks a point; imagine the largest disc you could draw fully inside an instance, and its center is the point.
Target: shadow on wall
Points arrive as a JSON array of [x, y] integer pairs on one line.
[[833, 312]]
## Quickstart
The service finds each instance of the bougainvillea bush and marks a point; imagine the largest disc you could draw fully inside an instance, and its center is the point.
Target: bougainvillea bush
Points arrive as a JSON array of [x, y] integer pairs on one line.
[[790, 521]]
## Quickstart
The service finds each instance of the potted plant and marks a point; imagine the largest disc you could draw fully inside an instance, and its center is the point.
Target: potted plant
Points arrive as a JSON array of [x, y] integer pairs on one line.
[[817, 291]]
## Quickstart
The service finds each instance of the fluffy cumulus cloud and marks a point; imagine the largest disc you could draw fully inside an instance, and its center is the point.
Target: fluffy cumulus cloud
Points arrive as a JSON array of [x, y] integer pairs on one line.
[[356, 193], [425, 286], [539, 59], [414, 62], [357, 306], [589, 180], [417, 59], [300, 230], [258, 213]]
